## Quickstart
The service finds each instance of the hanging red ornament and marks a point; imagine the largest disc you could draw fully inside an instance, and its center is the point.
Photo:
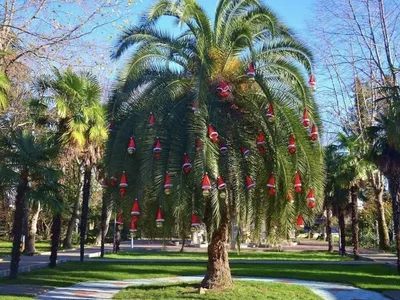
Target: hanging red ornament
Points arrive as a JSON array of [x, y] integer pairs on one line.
[[314, 133], [120, 218], [260, 139], [195, 220], [157, 148], [312, 83], [270, 112], [111, 126], [251, 72], [198, 144], [159, 218], [220, 183], [297, 183], [151, 119], [212, 133], [196, 106], [271, 184], [123, 182], [300, 221], [244, 151], [133, 227], [292, 144], [311, 204], [135, 211], [187, 166], [104, 184], [113, 180], [306, 118], [131, 146], [122, 191], [222, 147], [206, 185], [310, 199], [249, 182], [223, 90], [167, 184], [289, 197]]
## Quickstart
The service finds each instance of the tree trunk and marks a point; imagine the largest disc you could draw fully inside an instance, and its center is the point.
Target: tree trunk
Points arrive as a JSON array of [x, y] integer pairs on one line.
[[71, 225], [354, 220], [394, 187], [106, 212], [329, 227], [85, 208], [342, 229], [55, 239], [18, 224], [218, 274], [30, 248]]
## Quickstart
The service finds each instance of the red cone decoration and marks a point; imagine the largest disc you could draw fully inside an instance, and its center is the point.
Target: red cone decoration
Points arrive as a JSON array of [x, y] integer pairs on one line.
[[198, 144], [251, 73], [212, 133], [122, 191], [187, 166], [120, 218], [223, 90], [306, 119], [271, 184], [123, 182], [223, 148], [113, 180], [135, 211], [104, 184], [220, 183], [195, 220], [133, 226], [159, 215], [157, 148], [310, 199], [131, 146], [244, 151], [300, 221], [206, 184], [314, 133], [249, 182], [292, 144], [270, 113], [312, 83], [151, 119], [289, 197], [111, 127], [167, 184], [196, 106], [297, 183], [260, 139]]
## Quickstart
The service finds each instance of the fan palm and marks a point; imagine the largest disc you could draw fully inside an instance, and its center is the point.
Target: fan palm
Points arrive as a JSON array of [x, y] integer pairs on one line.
[[197, 80]]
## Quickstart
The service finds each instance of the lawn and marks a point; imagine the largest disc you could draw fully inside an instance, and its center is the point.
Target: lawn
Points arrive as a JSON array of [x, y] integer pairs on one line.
[[376, 277], [244, 255], [6, 246], [241, 290]]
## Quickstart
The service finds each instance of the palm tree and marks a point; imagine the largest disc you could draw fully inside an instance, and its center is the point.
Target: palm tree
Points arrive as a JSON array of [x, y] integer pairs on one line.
[[81, 131], [26, 162], [4, 87], [195, 89]]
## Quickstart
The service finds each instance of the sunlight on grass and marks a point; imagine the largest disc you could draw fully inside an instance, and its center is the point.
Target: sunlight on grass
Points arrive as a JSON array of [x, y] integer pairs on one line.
[[6, 246]]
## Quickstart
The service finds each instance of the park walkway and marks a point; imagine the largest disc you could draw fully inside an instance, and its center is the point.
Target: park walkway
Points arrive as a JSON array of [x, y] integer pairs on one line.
[[107, 289]]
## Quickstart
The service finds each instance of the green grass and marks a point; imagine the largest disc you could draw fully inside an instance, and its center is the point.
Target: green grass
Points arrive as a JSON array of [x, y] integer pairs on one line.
[[241, 290], [244, 255], [373, 277], [6, 246], [4, 297]]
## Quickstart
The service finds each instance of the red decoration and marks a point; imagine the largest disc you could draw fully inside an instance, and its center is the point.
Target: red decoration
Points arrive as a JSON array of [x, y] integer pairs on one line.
[[120, 218], [220, 183], [104, 184], [123, 182], [159, 215], [187, 166], [133, 226], [196, 106], [131, 146], [212, 133], [249, 182], [195, 220], [314, 133], [300, 221], [122, 191], [306, 119], [292, 144], [198, 144], [223, 90], [167, 181], [223, 148], [206, 184], [271, 184], [297, 183], [244, 151], [113, 180], [111, 127], [310, 199], [157, 148], [289, 196], [151, 119], [135, 211], [251, 72], [312, 83], [260, 139], [270, 112], [311, 204]]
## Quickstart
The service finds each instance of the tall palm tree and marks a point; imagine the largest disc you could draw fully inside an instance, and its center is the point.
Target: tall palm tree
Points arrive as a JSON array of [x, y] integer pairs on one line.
[[26, 162], [81, 131], [195, 89]]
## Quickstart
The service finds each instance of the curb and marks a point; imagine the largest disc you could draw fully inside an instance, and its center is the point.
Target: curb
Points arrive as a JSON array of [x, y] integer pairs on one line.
[[5, 273]]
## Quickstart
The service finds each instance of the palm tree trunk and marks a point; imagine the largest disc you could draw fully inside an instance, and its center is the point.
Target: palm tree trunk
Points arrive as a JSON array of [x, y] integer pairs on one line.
[[67, 244], [394, 187], [55, 234], [106, 212], [354, 220], [329, 227], [85, 208], [18, 224], [30, 248], [342, 229]]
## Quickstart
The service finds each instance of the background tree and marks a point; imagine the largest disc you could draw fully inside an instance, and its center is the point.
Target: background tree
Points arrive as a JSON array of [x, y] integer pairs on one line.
[[174, 79]]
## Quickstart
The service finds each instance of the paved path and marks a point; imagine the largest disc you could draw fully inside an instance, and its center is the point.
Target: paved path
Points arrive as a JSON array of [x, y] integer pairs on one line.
[[107, 289]]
